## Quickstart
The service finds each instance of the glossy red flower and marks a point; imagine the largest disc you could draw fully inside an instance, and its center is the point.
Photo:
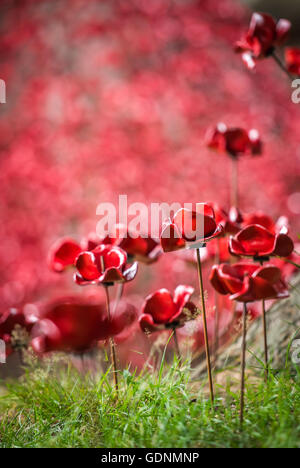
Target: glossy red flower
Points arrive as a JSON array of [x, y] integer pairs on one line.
[[234, 141], [247, 282], [292, 60], [263, 36], [106, 264], [73, 325], [161, 310], [189, 228], [257, 241]]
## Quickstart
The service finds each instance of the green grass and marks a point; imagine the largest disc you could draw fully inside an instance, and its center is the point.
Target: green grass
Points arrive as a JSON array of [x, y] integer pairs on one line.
[[56, 407]]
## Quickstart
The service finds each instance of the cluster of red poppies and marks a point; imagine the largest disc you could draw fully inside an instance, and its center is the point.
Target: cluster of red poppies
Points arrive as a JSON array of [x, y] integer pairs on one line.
[[75, 325], [73, 127]]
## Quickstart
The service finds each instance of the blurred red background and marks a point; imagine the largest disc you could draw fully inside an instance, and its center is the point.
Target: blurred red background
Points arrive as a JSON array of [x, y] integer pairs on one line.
[[114, 97]]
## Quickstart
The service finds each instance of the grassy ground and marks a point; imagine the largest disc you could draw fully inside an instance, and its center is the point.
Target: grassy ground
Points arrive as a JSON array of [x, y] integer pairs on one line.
[[56, 407]]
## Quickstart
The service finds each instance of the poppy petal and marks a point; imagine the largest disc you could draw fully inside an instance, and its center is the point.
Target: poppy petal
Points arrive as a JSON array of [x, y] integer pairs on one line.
[[194, 225], [160, 306], [284, 246], [182, 295], [86, 266], [217, 282], [147, 324], [171, 239], [131, 272], [63, 254]]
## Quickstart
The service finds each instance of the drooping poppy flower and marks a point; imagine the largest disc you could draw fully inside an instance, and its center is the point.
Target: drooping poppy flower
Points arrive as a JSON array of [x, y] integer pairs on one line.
[[189, 228], [257, 241], [263, 36], [107, 264], [142, 249], [234, 141], [73, 325], [161, 310], [292, 60], [247, 282]]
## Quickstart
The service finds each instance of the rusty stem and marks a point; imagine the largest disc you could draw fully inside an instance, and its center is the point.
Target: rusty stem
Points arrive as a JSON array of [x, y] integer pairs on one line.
[[217, 318], [265, 340], [176, 344], [243, 364], [112, 343], [208, 363], [265, 332], [118, 296], [281, 66]]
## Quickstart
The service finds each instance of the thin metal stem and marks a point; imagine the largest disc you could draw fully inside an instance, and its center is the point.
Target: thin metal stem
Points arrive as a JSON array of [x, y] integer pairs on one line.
[[112, 344], [176, 344], [243, 365], [208, 363], [265, 332], [281, 66], [217, 317], [119, 296], [265, 341]]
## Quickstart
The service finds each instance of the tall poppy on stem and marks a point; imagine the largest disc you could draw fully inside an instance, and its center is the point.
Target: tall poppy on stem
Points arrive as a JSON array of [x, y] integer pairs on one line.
[[231, 222], [192, 229], [143, 249], [106, 265], [235, 142], [247, 282], [164, 311], [260, 243], [262, 38], [112, 343]]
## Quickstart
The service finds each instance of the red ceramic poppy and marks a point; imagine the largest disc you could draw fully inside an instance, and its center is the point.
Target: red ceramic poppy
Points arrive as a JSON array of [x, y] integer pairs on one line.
[[257, 241], [263, 36], [234, 141], [189, 228], [247, 282], [161, 310], [71, 325], [143, 249], [292, 60], [106, 264]]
